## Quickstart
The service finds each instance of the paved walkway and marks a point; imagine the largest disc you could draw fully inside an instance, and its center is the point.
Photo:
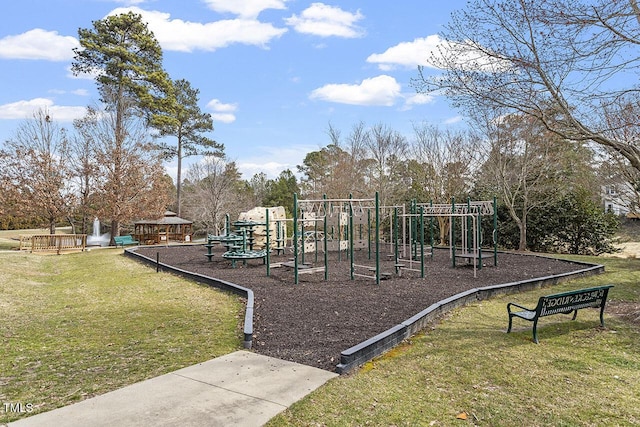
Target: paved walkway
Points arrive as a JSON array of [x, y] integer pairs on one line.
[[239, 389]]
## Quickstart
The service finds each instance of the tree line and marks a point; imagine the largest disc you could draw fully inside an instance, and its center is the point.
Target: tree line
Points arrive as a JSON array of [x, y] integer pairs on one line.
[[537, 140]]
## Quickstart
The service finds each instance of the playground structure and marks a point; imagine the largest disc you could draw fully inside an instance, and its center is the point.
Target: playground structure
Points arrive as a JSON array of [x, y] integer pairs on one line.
[[341, 226], [408, 237], [252, 236], [324, 225], [469, 217]]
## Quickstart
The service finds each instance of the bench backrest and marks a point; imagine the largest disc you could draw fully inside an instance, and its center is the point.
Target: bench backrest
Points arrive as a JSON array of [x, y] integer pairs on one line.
[[573, 300], [126, 238]]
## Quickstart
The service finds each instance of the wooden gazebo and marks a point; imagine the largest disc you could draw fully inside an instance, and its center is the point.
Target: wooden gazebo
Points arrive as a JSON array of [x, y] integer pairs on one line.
[[163, 230]]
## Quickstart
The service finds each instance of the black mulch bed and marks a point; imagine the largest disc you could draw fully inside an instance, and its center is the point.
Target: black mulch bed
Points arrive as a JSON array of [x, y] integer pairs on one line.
[[313, 322]]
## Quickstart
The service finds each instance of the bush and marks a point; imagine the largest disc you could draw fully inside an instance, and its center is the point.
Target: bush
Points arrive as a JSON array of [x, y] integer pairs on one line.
[[575, 224]]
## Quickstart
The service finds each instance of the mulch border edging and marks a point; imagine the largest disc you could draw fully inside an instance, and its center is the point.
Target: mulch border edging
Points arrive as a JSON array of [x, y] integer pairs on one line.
[[385, 341]]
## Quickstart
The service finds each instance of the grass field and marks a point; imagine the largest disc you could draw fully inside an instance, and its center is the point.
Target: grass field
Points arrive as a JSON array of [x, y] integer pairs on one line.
[[82, 324], [467, 367]]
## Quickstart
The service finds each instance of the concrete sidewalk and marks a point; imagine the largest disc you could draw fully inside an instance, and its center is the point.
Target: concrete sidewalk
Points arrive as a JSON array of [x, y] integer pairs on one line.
[[239, 389]]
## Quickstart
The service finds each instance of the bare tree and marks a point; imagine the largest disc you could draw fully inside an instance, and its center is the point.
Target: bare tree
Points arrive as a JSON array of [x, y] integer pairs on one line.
[[338, 169], [259, 183], [559, 61], [35, 168], [131, 183], [615, 170], [530, 167], [386, 149], [85, 168], [213, 191], [441, 167]]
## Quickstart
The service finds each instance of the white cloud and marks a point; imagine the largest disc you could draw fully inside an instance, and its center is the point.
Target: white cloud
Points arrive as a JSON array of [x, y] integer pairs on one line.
[[82, 76], [79, 92], [216, 105], [223, 117], [424, 51], [25, 109], [270, 168], [407, 54], [381, 90], [417, 99], [325, 21], [269, 161], [222, 112], [453, 120], [186, 36], [38, 44], [273, 160], [130, 2], [248, 9]]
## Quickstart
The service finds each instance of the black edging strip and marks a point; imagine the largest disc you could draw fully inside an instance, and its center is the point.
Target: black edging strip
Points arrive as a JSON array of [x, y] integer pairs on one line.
[[220, 284], [385, 341]]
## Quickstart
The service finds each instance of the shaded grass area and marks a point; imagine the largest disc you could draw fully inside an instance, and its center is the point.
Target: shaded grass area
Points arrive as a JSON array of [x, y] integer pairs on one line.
[[467, 366], [82, 324], [7, 243]]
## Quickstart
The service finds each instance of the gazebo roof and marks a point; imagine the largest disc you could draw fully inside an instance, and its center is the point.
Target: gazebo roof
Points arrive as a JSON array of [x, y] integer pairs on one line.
[[170, 218]]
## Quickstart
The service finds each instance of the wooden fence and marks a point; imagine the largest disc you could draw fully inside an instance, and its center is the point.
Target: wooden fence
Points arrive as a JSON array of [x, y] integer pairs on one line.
[[53, 242]]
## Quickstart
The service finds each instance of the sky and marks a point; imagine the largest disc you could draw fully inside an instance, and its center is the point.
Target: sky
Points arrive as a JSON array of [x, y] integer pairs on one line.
[[274, 74]]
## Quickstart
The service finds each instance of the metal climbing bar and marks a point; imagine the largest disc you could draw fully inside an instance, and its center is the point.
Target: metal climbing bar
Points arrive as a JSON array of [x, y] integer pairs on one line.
[[338, 213]]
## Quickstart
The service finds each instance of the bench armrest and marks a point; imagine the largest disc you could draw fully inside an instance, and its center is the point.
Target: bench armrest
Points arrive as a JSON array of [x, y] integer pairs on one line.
[[519, 306]]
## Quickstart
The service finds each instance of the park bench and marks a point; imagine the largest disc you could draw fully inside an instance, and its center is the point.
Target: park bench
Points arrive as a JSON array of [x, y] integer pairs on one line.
[[561, 303], [125, 240]]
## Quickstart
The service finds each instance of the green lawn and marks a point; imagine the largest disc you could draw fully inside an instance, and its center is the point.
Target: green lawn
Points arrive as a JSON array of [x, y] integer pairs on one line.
[[467, 366], [82, 324]]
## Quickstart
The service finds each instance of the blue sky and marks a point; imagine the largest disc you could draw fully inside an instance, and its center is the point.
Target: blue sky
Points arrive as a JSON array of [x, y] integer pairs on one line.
[[273, 73]]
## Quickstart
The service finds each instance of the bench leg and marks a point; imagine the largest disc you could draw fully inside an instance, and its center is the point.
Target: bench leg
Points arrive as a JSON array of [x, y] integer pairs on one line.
[[535, 331], [575, 314], [510, 319]]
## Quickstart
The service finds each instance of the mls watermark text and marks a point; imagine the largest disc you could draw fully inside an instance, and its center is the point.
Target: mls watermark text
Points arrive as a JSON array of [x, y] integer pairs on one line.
[[17, 407]]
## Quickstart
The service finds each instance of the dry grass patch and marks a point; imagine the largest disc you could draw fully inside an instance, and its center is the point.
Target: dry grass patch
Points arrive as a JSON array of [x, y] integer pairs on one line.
[[83, 324]]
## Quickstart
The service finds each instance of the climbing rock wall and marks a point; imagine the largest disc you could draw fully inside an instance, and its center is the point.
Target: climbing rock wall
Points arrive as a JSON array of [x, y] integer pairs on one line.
[[277, 226]]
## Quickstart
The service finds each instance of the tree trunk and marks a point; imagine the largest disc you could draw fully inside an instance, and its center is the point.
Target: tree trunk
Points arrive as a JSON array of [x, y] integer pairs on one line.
[[522, 245], [522, 226], [115, 231], [179, 177], [443, 223], [521, 223]]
